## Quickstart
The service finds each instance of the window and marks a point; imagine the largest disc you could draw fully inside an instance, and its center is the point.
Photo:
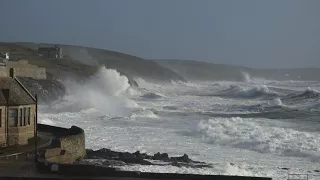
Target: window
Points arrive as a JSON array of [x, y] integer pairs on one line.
[[21, 117], [13, 117], [24, 116], [28, 115]]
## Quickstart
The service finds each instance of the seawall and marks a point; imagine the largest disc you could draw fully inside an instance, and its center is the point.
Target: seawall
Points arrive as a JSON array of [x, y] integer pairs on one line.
[[68, 145]]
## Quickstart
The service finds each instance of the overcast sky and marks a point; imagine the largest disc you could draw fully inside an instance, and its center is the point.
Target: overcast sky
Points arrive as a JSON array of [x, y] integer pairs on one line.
[[255, 33]]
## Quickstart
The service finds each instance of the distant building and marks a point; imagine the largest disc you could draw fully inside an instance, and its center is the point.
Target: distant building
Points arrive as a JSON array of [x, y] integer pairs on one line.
[[4, 58], [17, 112], [50, 51]]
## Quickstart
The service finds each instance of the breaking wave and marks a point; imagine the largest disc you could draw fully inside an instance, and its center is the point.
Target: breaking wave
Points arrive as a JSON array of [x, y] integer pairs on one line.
[[310, 93], [258, 136], [144, 114], [275, 102], [248, 92], [105, 91]]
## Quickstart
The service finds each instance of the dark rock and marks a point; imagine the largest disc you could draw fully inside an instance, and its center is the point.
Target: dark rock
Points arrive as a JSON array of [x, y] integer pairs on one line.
[[183, 158], [162, 157], [317, 171], [141, 158]]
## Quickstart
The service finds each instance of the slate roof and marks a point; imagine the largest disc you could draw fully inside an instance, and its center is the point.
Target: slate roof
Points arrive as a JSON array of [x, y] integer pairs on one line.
[[17, 94]]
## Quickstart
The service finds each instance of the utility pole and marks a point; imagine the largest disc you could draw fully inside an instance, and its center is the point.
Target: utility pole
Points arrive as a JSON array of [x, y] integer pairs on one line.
[[36, 131]]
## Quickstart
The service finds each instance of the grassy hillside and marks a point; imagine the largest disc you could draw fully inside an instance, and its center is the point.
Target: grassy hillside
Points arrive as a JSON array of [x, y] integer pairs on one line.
[[197, 70], [84, 61], [58, 68]]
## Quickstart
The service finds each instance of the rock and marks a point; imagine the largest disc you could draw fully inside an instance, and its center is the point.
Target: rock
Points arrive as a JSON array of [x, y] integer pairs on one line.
[[126, 155], [141, 158], [183, 158], [162, 157]]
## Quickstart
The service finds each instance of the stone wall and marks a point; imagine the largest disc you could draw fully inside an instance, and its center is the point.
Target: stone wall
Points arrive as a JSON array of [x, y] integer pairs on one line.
[[23, 69], [68, 145]]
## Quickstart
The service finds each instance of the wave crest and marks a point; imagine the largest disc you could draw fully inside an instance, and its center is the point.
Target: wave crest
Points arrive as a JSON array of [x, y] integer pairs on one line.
[[310, 93], [105, 91], [249, 92]]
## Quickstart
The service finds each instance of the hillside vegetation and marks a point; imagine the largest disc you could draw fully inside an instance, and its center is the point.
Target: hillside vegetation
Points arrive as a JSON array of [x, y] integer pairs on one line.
[[83, 61]]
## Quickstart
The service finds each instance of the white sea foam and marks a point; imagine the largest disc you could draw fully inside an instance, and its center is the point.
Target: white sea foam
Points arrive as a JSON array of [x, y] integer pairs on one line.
[[248, 92], [105, 91], [144, 114], [311, 92], [125, 123], [223, 169], [275, 102], [47, 121], [255, 135]]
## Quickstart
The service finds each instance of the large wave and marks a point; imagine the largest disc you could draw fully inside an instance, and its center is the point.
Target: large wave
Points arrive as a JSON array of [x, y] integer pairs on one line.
[[105, 91], [248, 92], [310, 93], [259, 136]]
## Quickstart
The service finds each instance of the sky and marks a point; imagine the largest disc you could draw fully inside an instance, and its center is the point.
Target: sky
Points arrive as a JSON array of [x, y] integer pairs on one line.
[[253, 33]]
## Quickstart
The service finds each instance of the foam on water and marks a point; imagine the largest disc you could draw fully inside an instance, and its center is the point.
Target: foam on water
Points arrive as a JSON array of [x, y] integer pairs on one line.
[[248, 92], [258, 136], [144, 114], [275, 102], [123, 121], [225, 169], [47, 121]]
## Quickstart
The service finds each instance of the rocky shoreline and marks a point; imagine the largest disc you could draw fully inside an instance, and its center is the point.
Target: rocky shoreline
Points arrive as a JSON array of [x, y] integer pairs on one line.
[[107, 157]]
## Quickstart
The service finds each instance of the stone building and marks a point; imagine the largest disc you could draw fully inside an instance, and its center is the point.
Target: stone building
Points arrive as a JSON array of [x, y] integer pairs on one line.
[[17, 112], [4, 57], [54, 52]]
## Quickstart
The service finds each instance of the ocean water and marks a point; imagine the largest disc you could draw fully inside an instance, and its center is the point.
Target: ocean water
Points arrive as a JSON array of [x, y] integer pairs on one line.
[[257, 127]]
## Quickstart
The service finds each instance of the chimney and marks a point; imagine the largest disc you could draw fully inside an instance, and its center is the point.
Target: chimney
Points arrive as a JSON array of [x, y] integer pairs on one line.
[[5, 93], [12, 73]]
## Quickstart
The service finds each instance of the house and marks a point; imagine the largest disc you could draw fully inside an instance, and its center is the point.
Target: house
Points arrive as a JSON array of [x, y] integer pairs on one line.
[[49, 51], [17, 112], [4, 57]]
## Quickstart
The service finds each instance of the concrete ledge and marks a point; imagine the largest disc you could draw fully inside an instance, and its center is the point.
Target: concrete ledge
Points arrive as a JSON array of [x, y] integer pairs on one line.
[[68, 145]]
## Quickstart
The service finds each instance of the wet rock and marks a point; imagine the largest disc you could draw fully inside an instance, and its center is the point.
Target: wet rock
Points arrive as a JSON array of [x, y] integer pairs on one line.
[[142, 158], [162, 157], [183, 158]]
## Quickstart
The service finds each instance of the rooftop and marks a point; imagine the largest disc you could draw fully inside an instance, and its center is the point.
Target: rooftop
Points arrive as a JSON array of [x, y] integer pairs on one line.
[[15, 93]]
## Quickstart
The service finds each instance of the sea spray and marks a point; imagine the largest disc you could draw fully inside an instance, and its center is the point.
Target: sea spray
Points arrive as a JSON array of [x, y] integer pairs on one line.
[[245, 77], [105, 91]]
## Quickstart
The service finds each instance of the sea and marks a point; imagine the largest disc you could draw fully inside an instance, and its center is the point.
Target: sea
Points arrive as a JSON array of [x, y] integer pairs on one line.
[[257, 127]]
